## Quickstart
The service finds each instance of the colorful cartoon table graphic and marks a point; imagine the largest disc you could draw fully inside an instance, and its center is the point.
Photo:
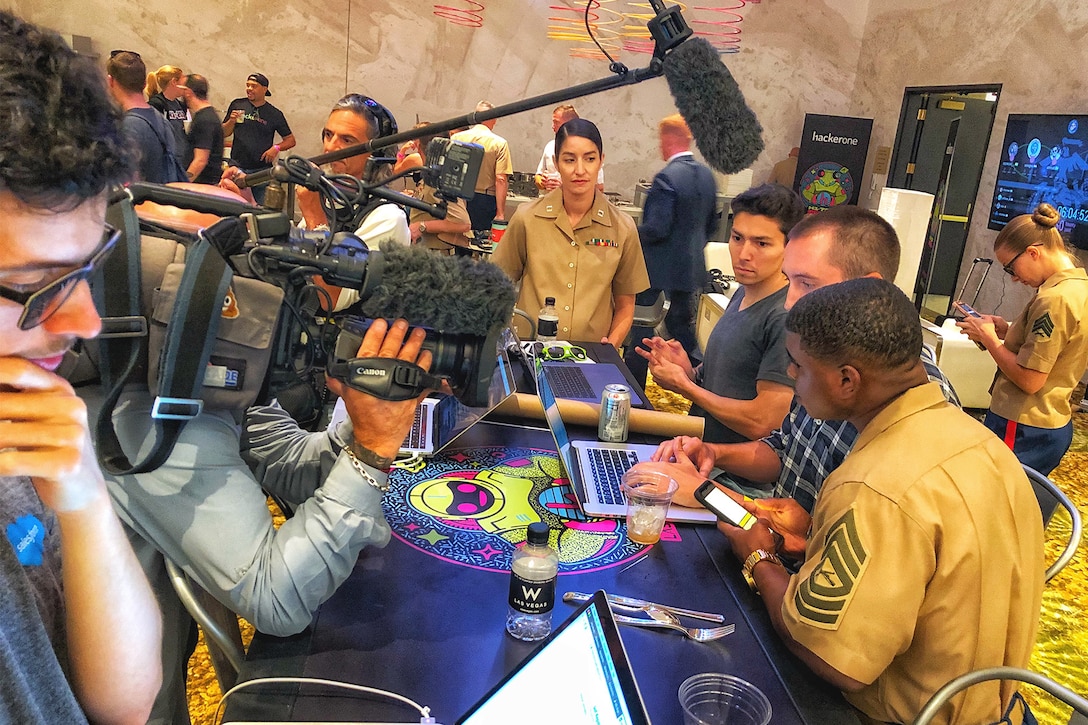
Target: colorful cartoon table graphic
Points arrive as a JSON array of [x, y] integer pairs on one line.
[[472, 507]]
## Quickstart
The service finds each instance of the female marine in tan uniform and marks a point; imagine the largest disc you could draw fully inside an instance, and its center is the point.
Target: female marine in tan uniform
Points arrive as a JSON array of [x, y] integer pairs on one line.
[[573, 245], [1042, 354]]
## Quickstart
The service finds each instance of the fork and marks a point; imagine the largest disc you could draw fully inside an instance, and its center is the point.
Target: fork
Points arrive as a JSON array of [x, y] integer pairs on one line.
[[665, 620]]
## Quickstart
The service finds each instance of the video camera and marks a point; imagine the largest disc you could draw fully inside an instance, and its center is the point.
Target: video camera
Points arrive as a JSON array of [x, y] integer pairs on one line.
[[262, 244]]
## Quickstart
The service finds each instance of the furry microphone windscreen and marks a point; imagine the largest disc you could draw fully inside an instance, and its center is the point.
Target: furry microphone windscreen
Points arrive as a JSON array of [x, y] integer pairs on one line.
[[726, 130], [449, 294]]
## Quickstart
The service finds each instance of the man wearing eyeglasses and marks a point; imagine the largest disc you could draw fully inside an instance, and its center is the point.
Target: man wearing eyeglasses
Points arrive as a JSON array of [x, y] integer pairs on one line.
[[79, 643]]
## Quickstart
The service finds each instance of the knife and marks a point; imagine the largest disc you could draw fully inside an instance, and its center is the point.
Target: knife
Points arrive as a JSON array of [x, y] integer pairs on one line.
[[641, 605]]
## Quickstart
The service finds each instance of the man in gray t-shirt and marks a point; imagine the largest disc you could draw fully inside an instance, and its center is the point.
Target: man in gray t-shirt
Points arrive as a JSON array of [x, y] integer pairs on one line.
[[746, 347], [742, 388]]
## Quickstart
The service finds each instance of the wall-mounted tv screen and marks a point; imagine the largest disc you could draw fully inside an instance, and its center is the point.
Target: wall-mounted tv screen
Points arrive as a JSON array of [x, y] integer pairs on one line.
[[1044, 158]]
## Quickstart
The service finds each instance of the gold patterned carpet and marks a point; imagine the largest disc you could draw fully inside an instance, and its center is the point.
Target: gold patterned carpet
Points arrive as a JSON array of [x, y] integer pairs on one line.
[[1061, 649]]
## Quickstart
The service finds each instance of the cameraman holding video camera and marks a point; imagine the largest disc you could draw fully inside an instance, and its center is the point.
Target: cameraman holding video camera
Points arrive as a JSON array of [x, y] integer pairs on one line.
[[206, 508]]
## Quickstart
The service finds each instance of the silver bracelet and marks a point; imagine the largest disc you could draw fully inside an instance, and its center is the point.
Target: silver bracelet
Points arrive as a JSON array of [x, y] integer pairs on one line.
[[361, 469]]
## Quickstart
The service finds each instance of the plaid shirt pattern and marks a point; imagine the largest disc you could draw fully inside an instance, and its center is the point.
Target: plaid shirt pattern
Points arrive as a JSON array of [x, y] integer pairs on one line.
[[810, 449]]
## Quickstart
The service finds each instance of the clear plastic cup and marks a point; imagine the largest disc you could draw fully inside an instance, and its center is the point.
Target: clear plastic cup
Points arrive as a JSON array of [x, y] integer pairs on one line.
[[713, 698], [648, 494]]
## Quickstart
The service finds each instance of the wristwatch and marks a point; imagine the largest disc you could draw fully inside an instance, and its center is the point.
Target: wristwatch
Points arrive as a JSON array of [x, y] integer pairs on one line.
[[750, 563], [423, 227]]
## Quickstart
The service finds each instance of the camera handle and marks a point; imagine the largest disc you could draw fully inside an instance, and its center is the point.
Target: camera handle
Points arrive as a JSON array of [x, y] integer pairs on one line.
[[385, 377]]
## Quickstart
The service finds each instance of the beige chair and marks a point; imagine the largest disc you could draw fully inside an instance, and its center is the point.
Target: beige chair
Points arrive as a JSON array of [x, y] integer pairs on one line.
[[943, 695], [1049, 494], [219, 624]]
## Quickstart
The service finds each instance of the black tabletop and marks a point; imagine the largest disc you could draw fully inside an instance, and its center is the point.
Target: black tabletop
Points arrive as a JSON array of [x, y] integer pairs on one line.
[[434, 631]]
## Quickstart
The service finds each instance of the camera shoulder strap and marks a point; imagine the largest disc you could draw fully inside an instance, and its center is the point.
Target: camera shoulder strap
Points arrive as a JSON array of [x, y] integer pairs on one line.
[[194, 323]]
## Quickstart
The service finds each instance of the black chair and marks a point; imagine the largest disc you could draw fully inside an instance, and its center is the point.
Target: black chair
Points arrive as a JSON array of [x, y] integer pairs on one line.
[[651, 315]]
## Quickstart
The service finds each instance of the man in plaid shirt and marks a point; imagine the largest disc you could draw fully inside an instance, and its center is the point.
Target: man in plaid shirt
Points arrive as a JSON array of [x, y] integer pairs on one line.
[[833, 246]]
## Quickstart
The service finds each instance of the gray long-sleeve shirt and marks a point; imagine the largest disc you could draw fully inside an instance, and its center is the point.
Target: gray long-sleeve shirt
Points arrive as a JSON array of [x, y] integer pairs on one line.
[[206, 511]]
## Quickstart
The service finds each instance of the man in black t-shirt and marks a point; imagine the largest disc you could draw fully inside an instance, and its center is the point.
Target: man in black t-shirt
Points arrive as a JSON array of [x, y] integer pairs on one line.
[[205, 133], [254, 123]]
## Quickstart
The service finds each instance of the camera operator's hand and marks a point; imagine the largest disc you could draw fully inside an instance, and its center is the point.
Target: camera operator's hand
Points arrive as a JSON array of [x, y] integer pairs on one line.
[[44, 434], [232, 176], [309, 203], [382, 425]]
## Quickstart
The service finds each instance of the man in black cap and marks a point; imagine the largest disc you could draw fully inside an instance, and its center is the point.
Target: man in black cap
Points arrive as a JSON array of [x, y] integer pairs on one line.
[[254, 123]]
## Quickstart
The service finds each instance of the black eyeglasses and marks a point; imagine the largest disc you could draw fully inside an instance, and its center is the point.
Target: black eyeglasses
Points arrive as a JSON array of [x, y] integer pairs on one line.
[[39, 306], [1008, 267]]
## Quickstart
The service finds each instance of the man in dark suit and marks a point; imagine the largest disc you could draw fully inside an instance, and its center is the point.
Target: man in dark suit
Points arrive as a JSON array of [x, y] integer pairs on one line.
[[677, 219]]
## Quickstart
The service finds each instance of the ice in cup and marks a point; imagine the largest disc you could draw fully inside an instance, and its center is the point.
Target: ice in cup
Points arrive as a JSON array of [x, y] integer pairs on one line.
[[713, 698], [648, 494]]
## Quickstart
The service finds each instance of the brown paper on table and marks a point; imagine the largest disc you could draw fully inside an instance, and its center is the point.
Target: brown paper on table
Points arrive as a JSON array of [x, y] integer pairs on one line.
[[577, 412]]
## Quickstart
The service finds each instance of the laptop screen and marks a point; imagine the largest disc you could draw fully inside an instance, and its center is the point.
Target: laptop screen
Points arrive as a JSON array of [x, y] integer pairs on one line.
[[555, 422], [584, 671]]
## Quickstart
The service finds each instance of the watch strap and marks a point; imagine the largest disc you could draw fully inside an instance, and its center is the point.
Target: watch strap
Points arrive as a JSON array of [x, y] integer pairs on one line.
[[369, 457], [750, 563]]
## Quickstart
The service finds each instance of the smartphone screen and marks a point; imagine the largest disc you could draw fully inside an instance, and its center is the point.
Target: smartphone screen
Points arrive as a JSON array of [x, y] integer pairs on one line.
[[724, 507], [968, 309]]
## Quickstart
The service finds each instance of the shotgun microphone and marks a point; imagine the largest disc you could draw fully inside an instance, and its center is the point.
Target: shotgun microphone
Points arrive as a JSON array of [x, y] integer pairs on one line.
[[726, 130]]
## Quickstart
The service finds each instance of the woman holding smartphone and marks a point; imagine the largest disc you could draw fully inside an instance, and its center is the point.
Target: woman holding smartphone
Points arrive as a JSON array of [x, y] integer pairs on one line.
[[574, 245], [1042, 354]]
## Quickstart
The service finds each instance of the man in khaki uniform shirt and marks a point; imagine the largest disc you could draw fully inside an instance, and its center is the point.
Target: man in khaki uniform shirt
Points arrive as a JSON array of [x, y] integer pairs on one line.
[[441, 235], [924, 553], [583, 268], [489, 203]]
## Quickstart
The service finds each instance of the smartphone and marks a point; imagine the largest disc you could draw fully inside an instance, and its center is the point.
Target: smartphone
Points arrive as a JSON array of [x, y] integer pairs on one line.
[[971, 312], [724, 507], [968, 309]]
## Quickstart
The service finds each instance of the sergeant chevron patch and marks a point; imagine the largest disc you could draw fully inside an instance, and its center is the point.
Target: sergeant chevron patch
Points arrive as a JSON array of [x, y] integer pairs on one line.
[[1043, 327], [824, 596]]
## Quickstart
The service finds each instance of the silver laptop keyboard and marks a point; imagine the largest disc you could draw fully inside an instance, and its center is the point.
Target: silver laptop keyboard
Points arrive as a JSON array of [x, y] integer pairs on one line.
[[608, 466], [417, 434], [569, 382]]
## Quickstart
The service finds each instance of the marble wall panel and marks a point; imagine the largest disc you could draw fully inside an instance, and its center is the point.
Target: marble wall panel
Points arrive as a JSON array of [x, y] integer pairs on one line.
[[796, 56]]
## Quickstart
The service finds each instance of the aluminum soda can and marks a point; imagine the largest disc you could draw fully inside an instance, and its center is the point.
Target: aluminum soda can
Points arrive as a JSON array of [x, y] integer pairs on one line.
[[615, 413]]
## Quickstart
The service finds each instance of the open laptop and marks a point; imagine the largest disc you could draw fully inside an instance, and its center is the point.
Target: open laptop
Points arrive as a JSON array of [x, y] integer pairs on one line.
[[440, 420], [586, 676], [589, 678], [575, 380], [595, 469], [585, 381]]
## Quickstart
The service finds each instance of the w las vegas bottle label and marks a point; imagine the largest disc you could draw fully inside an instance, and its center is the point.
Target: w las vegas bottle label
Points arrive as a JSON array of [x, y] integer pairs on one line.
[[531, 597]]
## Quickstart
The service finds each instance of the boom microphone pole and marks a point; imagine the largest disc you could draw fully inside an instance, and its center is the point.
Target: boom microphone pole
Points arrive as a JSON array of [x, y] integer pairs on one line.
[[668, 28]]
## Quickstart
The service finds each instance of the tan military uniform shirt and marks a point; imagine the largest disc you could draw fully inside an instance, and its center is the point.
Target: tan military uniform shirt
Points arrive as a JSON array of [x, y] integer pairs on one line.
[[925, 561], [1047, 336], [455, 212], [583, 268], [496, 156]]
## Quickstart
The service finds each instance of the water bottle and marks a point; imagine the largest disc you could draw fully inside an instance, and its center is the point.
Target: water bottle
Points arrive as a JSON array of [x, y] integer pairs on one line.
[[547, 322], [532, 586]]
